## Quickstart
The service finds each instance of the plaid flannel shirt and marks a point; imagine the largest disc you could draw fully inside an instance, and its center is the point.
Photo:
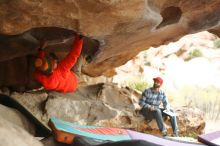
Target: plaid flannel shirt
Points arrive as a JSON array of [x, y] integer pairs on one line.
[[150, 98]]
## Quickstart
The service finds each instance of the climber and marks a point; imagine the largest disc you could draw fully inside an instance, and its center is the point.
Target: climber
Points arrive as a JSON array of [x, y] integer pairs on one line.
[[150, 102], [58, 76]]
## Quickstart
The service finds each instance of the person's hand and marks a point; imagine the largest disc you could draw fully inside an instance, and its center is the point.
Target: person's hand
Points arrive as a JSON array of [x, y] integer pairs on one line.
[[152, 108], [168, 109], [81, 36]]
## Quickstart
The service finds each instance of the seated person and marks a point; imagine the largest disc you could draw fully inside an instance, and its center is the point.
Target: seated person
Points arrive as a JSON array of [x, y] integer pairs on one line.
[[58, 76], [150, 102]]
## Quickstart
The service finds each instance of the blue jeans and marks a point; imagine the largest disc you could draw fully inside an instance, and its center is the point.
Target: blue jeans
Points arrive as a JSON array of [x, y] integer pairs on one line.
[[157, 115]]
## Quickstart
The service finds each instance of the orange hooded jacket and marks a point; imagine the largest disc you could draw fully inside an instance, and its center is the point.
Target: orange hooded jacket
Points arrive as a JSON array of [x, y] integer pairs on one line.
[[62, 79]]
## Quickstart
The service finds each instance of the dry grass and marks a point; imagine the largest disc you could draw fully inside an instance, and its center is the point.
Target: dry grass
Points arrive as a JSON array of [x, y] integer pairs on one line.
[[207, 99], [137, 83]]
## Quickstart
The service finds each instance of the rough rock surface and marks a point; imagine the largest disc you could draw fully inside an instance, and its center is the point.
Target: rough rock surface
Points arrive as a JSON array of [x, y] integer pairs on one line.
[[122, 27], [33, 102], [11, 135], [106, 105], [15, 117]]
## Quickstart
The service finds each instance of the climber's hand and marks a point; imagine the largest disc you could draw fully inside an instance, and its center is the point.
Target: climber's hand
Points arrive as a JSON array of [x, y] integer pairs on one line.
[[81, 36]]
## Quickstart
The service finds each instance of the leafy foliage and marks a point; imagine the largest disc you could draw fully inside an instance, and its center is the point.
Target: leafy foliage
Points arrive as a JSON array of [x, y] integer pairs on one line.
[[139, 85], [217, 43], [193, 54]]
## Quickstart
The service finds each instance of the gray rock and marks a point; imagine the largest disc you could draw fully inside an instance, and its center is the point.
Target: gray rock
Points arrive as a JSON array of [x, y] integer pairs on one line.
[[15, 117], [106, 105], [13, 135]]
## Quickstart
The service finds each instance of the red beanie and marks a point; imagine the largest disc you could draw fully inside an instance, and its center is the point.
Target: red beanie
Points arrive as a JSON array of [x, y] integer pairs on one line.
[[159, 79]]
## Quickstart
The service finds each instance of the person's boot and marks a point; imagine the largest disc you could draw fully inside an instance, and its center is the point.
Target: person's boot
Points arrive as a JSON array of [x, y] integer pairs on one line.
[[175, 134], [164, 133]]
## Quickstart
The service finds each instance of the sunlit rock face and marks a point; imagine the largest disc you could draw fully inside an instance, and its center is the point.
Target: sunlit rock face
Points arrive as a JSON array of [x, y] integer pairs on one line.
[[123, 28]]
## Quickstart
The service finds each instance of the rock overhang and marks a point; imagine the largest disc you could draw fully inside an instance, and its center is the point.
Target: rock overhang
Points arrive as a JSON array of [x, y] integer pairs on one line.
[[122, 28]]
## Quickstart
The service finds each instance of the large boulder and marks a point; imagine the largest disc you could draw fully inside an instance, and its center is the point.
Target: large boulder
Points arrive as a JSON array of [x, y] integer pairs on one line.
[[12, 134], [107, 105], [15, 117]]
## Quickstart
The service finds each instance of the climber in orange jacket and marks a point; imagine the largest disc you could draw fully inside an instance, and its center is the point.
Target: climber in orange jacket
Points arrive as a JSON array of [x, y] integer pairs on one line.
[[58, 76]]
